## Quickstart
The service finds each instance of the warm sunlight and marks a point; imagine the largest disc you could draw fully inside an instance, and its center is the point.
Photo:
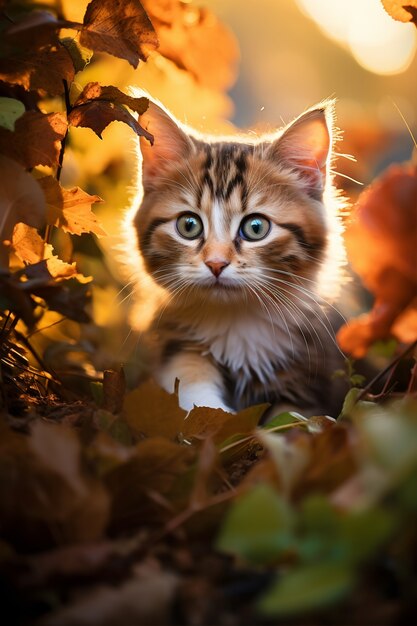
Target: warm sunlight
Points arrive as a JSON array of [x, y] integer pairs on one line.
[[378, 44]]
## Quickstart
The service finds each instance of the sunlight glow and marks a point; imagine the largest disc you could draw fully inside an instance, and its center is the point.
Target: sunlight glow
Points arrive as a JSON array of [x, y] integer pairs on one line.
[[377, 42]]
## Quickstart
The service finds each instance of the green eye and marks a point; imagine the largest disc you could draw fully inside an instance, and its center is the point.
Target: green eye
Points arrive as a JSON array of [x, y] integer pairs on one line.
[[189, 226], [254, 227]]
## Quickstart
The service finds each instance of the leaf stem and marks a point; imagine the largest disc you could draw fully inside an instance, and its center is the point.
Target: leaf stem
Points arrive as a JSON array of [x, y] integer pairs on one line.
[[386, 369], [48, 230]]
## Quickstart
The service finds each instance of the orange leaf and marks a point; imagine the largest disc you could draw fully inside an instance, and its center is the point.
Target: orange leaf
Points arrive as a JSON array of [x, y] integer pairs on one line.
[[70, 209], [42, 71], [36, 139], [381, 245], [31, 249], [402, 10], [119, 27], [98, 114], [21, 200]]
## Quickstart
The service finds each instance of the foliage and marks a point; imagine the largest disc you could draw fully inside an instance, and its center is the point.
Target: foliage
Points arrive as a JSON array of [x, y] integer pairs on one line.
[[117, 506]]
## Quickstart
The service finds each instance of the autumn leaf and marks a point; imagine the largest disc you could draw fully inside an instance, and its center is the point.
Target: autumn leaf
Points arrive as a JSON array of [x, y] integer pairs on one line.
[[10, 111], [150, 410], [119, 27], [95, 91], [205, 422], [42, 71], [36, 139], [381, 245], [21, 199], [98, 114], [153, 469], [70, 209], [186, 34], [114, 387], [50, 500], [31, 248], [34, 30], [401, 10]]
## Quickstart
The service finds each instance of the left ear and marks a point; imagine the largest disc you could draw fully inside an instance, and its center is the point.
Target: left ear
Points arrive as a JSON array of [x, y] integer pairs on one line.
[[305, 146]]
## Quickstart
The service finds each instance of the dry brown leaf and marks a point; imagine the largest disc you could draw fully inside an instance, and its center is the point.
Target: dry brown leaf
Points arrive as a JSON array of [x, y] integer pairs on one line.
[[21, 199], [35, 30], [98, 114], [42, 71], [402, 10], [114, 387], [204, 422], [46, 499], [119, 27], [95, 91], [381, 245], [140, 486], [36, 139], [70, 209], [151, 411]]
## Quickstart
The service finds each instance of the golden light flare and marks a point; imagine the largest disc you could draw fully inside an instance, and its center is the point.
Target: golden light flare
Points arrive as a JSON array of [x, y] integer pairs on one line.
[[378, 43]]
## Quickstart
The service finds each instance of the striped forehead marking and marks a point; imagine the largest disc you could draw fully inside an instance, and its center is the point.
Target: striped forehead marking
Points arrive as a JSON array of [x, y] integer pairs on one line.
[[224, 171]]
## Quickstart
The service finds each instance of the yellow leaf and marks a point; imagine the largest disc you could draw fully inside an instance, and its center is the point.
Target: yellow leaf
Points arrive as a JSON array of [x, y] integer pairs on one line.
[[70, 209]]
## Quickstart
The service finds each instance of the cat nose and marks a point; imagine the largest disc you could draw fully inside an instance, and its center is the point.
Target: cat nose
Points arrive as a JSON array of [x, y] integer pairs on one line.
[[216, 267]]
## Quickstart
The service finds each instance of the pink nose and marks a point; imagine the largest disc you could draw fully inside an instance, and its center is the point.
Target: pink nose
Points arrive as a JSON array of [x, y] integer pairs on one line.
[[216, 267]]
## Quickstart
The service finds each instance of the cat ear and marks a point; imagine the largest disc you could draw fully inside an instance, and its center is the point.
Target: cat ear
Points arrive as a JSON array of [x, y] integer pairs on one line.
[[171, 143], [305, 146]]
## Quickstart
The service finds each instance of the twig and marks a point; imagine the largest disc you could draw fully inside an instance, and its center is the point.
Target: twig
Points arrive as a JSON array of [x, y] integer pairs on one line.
[[386, 369], [48, 230]]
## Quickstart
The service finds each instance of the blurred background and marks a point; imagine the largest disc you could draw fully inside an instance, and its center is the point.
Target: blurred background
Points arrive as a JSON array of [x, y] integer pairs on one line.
[[224, 64]]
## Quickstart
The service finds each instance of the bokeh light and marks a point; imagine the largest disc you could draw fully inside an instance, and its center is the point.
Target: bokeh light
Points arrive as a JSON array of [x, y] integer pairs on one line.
[[376, 41]]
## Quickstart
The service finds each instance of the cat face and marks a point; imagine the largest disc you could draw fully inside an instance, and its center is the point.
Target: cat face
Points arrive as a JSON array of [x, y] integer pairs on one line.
[[231, 219]]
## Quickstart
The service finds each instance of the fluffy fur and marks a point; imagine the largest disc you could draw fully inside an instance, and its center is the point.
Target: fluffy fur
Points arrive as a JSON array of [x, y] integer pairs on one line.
[[237, 321]]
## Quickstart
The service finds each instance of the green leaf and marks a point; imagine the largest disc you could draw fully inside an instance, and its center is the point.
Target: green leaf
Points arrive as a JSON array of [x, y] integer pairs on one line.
[[289, 417], [258, 527], [307, 588], [79, 54], [96, 389], [10, 111]]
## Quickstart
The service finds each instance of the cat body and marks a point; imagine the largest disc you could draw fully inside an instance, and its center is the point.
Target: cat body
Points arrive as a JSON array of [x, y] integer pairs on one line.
[[237, 234]]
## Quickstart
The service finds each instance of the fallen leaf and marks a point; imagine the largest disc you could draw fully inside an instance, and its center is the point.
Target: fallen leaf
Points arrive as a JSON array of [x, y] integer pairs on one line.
[[151, 411], [205, 422], [153, 469], [258, 526], [21, 200], [36, 139], [42, 71], [46, 498], [114, 387], [306, 588], [119, 27], [98, 114], [70, 209]]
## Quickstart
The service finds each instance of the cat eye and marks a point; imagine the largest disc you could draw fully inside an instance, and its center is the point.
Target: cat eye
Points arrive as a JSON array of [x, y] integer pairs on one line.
[[254, 227], [189, 226]]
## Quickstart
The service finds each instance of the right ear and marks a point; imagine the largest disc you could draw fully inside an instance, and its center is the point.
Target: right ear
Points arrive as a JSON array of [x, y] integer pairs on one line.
[[171, 144]]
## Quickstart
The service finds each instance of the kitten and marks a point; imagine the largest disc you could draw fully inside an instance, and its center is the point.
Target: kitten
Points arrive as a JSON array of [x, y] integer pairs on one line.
[[239, 234]]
